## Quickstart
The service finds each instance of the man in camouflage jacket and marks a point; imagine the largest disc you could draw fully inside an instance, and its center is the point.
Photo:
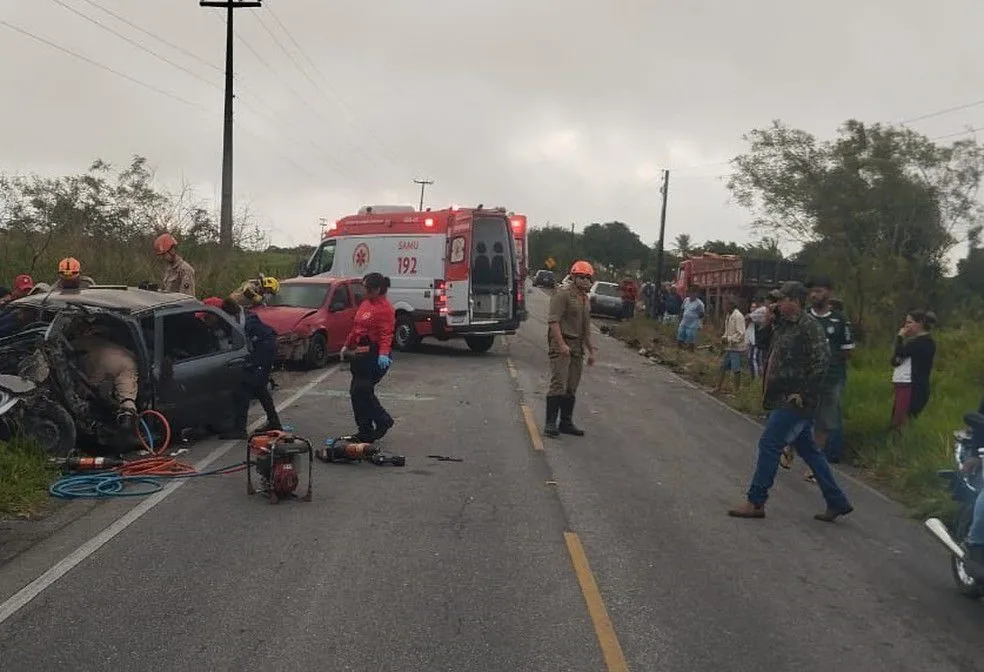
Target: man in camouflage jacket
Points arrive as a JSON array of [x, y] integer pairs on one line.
[[794, 373]]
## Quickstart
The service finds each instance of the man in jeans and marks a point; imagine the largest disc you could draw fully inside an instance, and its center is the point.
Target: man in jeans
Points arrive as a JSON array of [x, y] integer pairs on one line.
[[794, 375]]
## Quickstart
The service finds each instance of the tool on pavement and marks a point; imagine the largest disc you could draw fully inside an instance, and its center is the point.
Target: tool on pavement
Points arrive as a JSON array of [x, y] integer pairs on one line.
[[345, 450], [274, 456], [445, 458]]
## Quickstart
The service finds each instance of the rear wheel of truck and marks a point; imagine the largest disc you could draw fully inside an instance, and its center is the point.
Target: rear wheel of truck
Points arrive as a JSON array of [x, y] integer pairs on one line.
[[480, 343], [317, 353], [405, 337]]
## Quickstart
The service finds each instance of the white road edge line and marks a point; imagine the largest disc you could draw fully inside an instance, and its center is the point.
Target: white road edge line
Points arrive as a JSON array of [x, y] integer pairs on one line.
[[23, 596]]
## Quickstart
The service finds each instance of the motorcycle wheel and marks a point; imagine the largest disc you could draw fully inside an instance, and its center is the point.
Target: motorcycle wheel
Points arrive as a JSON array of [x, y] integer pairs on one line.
[[967, 585], [52, 426]]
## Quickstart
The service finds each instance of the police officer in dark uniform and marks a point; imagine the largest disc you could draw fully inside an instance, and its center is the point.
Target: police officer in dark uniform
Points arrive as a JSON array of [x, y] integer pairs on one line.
[[256, 384], [568, 340]]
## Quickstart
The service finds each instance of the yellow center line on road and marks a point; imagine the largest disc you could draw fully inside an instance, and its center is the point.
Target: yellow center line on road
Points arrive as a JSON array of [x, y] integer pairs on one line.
[[610, 648], [534, 433]]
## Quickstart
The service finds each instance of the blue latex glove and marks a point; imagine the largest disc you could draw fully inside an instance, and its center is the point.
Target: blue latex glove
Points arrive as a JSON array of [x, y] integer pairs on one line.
[[384, 362]]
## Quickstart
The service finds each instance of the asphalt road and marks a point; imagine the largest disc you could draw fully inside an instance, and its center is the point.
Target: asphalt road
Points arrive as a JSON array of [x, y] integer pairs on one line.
[[478, 565]]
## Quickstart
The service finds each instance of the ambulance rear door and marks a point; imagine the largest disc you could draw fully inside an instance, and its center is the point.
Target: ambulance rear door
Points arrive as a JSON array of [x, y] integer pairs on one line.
[[457, 279]]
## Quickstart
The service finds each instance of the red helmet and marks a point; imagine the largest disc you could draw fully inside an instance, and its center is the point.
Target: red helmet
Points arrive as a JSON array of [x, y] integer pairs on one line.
[[582, 268], [213, 301], [69, 268], [23, 283], [164, 244]]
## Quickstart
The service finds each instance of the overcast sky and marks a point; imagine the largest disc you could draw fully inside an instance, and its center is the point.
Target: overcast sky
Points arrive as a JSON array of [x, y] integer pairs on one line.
[[564, 110]]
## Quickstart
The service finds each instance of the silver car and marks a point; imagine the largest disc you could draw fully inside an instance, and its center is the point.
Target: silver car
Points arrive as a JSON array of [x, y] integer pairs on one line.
[[605, 298]]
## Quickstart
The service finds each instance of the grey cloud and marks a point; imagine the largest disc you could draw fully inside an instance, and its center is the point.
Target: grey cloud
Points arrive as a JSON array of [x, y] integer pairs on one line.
[[562, 110]]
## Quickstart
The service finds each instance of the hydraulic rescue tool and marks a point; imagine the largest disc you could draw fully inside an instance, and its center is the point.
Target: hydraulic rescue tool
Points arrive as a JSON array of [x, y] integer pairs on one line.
[[346, 450], [274, 455]]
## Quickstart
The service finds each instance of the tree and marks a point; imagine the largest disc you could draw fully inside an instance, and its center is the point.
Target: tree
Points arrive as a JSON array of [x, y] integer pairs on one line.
[[881, 205], [682, 245], [615, 246]]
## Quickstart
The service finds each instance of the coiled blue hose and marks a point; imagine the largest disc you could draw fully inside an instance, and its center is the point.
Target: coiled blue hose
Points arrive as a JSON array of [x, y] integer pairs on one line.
[[111, 484]]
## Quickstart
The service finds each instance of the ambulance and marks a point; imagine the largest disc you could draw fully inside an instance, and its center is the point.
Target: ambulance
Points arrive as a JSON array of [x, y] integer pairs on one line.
[[453, 272]]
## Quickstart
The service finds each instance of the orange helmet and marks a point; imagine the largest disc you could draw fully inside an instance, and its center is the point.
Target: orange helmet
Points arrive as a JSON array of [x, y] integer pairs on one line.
[[582, 268], [164, 244], [69, 268]]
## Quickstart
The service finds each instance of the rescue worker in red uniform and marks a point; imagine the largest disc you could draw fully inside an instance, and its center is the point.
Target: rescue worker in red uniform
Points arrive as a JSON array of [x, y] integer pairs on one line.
[[368, 348]]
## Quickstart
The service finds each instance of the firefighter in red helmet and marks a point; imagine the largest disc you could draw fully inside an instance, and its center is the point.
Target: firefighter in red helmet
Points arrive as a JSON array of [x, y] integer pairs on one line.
[[179, 276], [568, 340]]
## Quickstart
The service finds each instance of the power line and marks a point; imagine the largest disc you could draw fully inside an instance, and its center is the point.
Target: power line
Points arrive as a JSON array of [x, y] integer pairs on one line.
[[335, 94], [135, 43], [303, 72], [99, 65], [940, 113], [160, 39]]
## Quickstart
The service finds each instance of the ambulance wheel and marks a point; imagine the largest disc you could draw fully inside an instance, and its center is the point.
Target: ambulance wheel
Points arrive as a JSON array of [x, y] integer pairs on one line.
[[480, 343], [317, 353], [405, 336]]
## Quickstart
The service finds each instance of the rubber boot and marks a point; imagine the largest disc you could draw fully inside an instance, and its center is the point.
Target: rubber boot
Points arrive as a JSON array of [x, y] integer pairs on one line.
[[553, 408], [567, 425]]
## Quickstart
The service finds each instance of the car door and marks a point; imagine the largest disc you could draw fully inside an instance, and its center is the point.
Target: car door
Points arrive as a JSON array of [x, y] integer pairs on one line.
[[341, 315], [200, 369], [458, 284]]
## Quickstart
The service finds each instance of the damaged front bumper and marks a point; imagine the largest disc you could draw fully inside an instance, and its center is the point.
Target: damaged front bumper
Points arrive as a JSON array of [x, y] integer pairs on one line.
[[292, 347]]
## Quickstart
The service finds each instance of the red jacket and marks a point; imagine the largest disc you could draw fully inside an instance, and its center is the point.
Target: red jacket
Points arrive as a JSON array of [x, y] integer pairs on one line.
[[376, 319], [629, 290]]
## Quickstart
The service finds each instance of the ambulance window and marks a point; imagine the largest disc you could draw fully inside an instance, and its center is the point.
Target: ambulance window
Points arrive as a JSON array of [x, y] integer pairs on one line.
[[457, 250], [323, 258]]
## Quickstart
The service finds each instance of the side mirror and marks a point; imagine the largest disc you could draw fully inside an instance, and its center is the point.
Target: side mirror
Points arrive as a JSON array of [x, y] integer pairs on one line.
[[302, 269]]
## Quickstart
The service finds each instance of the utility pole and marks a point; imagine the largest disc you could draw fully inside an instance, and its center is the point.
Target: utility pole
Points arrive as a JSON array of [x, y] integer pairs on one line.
[[423, 185], [662, 228], [225, 219], [573, 245]]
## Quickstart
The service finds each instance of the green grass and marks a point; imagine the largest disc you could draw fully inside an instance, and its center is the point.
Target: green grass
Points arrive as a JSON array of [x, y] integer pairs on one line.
[[905, 467], [25, 474]]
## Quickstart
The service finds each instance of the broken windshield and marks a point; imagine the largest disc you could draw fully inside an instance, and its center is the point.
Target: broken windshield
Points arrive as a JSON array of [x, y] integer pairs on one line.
[[297, 295]]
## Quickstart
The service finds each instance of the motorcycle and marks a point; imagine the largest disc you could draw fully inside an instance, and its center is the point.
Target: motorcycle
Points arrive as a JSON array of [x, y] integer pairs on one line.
[[965, 484]]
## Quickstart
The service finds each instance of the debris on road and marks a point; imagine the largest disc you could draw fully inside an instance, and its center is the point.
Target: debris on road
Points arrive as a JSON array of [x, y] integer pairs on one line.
[[445, 458]]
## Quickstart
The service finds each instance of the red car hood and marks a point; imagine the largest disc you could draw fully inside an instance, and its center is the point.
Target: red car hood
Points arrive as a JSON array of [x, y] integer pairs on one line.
[[283, 319]]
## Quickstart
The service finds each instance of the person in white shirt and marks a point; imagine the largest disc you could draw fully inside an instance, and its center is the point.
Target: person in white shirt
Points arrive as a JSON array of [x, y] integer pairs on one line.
[[735, 344]]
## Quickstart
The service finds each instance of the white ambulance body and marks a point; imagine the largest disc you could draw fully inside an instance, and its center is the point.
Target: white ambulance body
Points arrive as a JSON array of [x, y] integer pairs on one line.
[[453, 272]]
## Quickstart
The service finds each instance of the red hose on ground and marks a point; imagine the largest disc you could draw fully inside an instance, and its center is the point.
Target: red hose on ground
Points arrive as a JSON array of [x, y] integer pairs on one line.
[[158, 463]]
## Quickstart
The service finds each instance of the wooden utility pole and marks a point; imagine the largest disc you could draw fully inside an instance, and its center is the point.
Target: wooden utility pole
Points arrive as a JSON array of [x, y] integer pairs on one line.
[[423, 185], [662, 228], [225, 219]]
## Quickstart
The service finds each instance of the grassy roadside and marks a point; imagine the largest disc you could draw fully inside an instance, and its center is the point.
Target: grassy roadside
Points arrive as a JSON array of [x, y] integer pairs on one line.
[[903, 467], [24, 478]]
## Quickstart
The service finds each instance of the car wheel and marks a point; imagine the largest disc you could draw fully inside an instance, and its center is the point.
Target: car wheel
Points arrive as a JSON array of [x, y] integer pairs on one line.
[[317, 353], [480, 343], [405, 337], [51, 426]]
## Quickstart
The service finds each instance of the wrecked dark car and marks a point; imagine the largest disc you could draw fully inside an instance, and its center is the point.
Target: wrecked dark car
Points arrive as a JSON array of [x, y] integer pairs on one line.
[[189, 363]]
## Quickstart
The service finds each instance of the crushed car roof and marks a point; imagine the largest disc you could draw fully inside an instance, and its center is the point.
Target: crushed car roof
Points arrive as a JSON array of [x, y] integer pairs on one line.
[[118, 298]]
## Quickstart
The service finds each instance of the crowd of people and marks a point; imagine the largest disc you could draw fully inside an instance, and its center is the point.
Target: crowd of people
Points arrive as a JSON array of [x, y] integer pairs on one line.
[[797, 339]]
